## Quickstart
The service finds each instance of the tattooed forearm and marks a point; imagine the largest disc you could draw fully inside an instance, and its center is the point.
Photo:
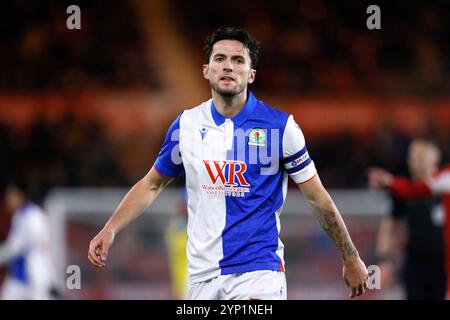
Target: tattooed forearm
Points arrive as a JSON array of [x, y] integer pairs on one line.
[[331, 221]]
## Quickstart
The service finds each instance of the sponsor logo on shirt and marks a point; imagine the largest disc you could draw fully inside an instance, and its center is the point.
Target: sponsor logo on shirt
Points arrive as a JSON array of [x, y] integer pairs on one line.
[[300, 160], [203, 132], [227, 178]]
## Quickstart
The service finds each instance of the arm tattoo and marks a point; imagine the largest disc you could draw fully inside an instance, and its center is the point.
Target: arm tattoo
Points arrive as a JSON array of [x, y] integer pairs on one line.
[[331, 221]]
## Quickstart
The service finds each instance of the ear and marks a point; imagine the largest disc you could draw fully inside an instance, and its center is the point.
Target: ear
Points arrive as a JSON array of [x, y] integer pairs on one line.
[[206, 71], [251, 76]]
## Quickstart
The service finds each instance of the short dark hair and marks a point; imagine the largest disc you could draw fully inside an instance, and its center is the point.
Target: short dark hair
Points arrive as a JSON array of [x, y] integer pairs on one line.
[[19, 185], [24, 187], [231, 33]]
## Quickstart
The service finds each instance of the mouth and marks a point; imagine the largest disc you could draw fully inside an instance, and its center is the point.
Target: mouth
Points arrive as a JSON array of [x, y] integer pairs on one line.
[[227, 79]]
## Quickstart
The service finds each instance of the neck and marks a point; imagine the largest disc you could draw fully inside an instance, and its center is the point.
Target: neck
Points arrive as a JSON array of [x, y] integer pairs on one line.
[[229, 106], [17, 205]]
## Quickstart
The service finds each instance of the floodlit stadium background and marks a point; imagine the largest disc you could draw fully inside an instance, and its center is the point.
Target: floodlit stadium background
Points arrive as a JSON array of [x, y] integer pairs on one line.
[[89, 108]]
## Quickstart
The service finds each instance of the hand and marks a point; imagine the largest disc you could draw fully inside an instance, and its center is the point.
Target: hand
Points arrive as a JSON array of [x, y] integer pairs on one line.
[[355, 275], [379, 178], [99, 247]]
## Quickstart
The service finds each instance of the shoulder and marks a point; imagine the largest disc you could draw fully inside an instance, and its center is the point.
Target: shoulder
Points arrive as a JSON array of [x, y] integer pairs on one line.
[[186, 115], [196, 112], [442, 172], [444, 169], [30, 209], [191, 113], [278, 117], [30, 217], [33, 212]]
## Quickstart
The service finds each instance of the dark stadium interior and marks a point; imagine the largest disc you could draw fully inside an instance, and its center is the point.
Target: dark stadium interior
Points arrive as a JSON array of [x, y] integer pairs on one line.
[[56, 86]]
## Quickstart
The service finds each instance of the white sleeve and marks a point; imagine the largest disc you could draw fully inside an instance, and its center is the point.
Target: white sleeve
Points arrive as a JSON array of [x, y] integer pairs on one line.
[[440, 183], [296, 160], [19, 240]]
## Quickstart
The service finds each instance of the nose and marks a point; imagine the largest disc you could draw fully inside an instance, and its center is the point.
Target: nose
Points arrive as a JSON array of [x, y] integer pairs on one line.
[[227, 67]]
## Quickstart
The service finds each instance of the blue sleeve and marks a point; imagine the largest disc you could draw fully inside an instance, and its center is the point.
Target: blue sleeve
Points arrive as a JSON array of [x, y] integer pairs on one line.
[[169, 162]]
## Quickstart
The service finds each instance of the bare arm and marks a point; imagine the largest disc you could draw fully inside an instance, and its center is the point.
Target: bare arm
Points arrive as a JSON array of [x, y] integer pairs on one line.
[[140, 196], [354, 271], [404, 188], [328, 215], [384, 237]]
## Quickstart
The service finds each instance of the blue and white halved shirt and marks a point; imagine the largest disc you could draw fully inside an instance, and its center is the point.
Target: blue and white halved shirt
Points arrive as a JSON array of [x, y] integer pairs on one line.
[[236, 179]]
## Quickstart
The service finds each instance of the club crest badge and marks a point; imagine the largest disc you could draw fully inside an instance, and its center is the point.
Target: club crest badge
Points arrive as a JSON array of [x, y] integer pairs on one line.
[[257, 137]]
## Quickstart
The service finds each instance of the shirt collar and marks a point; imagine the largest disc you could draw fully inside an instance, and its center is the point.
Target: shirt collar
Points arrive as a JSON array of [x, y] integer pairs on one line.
[[240, 118]]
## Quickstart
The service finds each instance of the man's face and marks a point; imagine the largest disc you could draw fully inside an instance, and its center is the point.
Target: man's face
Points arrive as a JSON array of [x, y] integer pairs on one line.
[[229, 70], [422, 160], [13, 198]]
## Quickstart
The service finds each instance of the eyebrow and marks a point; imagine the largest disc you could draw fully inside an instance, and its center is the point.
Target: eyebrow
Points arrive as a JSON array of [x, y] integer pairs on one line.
[[233, 56]]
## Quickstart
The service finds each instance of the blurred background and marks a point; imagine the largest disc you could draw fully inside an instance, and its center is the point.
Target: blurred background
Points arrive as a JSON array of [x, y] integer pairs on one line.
[[90, 108]]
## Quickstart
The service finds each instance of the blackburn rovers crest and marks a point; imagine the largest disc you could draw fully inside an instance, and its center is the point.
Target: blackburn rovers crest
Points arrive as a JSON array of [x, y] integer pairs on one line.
[[257, 137]]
